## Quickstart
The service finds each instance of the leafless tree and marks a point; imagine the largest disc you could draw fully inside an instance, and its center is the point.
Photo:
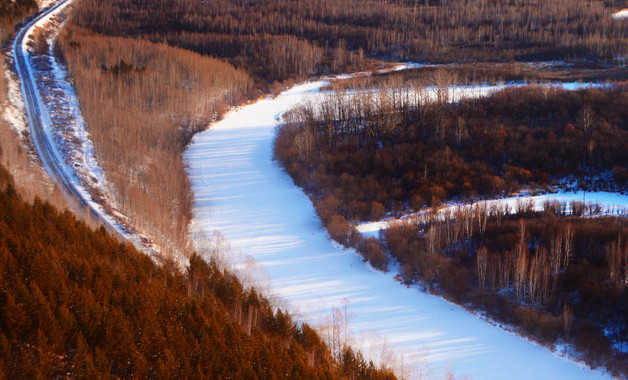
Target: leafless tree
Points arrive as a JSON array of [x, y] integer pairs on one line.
[[586, 118], [568, 319], [482, 260]]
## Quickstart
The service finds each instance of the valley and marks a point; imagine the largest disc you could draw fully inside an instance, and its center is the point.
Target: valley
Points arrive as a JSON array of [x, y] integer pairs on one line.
[[184, 145]]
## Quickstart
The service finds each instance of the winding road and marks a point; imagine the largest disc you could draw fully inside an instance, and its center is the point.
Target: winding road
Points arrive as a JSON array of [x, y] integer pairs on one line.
[[37, 119]]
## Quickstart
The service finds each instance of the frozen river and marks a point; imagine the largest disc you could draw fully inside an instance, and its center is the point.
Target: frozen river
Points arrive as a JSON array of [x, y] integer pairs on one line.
[[242, 193]]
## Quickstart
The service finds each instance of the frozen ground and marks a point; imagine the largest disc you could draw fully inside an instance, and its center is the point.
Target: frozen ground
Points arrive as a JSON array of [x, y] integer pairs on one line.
[[242, 193]]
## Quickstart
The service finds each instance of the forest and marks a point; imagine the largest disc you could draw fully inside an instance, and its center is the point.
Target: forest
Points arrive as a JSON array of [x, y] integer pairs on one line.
[[12, 11], [75, 302], [277, 40], [556, 275], [142, 103], [392, 149], [224, 53]]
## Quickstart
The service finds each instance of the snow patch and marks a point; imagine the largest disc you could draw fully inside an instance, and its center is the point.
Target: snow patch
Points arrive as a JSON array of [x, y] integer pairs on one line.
[[621, 15], [45, 3], [14, 112]]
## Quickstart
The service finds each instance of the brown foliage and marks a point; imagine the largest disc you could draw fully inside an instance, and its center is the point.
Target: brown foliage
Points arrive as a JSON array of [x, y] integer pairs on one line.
[[74, 302], [389, 147], [11, 12], [142, 102], [279, 38], [555, 278]]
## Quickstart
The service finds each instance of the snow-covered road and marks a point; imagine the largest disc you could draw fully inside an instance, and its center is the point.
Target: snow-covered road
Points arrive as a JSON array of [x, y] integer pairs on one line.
[[40, 114], [59, 132], [242, 193]]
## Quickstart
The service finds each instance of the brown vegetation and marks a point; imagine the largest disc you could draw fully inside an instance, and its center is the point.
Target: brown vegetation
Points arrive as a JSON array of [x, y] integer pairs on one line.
[[142, 103], [394, 148], [11, 12], [278, 39], [555, 277], [75, 302]]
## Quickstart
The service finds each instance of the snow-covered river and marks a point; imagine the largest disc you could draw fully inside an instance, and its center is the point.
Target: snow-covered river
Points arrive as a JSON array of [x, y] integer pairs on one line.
[[242, 193]]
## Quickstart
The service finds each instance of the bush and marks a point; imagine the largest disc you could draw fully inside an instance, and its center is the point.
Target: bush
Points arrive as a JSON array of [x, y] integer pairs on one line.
[[339, 229], [542, 326], [377, 211], [373, 252]]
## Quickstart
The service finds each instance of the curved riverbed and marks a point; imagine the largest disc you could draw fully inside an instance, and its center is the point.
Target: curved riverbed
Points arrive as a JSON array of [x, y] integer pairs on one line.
[[242, 193]]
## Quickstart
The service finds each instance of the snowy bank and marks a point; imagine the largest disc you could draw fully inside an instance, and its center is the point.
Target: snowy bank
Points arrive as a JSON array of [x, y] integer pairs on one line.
[[71, 161], [610, 204]]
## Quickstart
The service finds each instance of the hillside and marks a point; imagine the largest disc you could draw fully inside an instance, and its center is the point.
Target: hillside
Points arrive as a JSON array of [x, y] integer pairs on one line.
[[76, 302], [150, 75]]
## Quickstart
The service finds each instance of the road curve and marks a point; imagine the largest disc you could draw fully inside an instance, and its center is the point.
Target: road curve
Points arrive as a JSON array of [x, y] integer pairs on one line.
[[51, 161]]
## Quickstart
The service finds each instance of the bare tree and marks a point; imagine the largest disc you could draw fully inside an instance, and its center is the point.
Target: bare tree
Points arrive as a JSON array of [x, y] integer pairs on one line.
[[461, 130], [586, 118], [556, 253], [432, 239], [568, 235], [568, 319], [617, 257], [521, 260], [482, 259], [521, 270]]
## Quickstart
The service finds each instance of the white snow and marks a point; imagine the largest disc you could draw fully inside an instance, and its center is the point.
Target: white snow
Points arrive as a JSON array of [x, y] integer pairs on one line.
[[45, 3], [621, 15], [610, 204], [242, 193], [372, 228], [14, 113]]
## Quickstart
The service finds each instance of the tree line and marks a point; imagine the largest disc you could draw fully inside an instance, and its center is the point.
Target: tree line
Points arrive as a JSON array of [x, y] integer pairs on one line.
[[278, 39], [76, 302], [11, 12]]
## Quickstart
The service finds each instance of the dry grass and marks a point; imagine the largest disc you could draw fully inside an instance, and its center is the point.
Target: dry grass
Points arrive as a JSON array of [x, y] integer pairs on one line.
[[142, 102]]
